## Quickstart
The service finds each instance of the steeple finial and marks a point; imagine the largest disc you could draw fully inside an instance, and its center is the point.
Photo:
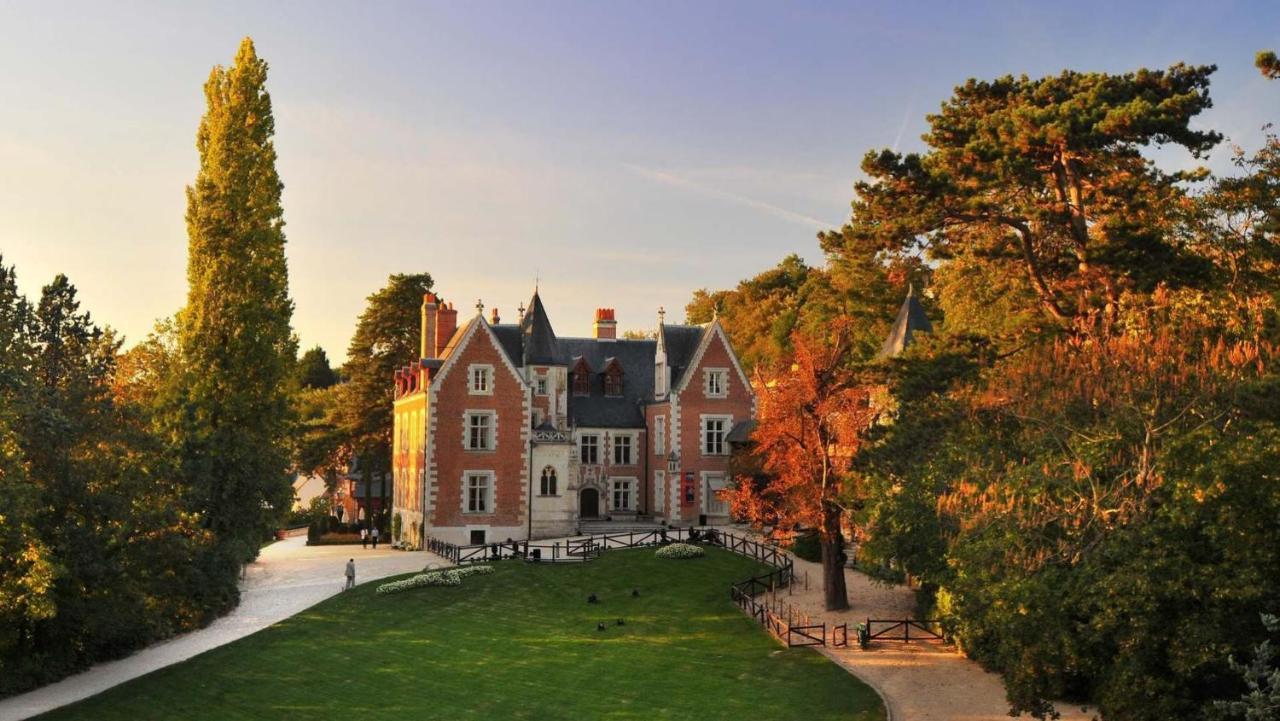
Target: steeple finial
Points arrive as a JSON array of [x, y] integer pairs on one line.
[[479, 307], [662, 315]]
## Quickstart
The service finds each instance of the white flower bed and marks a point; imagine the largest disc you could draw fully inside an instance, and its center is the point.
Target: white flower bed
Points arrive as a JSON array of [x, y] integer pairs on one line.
[[680, 550], [447, 577]]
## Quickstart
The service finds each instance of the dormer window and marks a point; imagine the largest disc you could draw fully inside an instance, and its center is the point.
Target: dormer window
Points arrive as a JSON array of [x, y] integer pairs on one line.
[[612, 377], [613, 383], [581, 377]]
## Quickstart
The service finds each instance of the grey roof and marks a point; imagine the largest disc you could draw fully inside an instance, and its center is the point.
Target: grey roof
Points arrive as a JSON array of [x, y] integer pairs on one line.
[[539, 339], [911, 320], [741, 432], [681, 342], [597, 410]]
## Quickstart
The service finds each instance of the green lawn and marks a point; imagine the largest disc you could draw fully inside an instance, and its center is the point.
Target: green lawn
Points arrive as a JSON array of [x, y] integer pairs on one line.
[[519, 644]]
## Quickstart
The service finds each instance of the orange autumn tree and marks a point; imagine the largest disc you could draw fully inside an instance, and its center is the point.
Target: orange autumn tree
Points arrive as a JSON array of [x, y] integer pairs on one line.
[[810, 419]]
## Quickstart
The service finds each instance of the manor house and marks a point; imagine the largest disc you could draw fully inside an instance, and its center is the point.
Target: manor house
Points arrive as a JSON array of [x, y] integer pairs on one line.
[[508, 431]]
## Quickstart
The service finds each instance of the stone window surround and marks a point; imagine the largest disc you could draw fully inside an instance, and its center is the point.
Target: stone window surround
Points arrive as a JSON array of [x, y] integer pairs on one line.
[[466, 430], [472, 386], [490, 483], [723, 375], [702, 433]]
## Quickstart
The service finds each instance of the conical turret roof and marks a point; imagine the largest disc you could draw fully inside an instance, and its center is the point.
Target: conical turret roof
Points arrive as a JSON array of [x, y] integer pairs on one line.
[[540, 345], [911, 320]]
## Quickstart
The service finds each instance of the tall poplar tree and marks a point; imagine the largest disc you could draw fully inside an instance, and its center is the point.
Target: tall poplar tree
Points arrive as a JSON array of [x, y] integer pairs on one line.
[[236, 342]]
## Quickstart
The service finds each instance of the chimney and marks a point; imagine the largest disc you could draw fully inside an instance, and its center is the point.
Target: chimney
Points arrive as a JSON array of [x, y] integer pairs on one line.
[[399, 383], [495, 319], [430, 309], [606, 328], [446, 324]]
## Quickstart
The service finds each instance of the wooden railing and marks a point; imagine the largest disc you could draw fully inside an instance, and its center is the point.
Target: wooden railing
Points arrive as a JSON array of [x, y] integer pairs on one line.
[[756, 596]]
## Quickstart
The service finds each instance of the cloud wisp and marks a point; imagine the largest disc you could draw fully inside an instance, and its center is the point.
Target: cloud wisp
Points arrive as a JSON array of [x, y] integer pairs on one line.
[[671, 179]]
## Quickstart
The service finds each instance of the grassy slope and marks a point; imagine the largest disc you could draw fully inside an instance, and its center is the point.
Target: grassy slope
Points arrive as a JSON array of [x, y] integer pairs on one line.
[[519, 644]]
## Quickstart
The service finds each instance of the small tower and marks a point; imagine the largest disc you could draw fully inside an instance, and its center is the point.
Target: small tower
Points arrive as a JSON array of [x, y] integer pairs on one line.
[[911, 320]]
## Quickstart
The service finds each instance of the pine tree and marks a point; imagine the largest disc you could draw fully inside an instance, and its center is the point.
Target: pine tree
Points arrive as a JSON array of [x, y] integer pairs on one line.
[[235, 337]]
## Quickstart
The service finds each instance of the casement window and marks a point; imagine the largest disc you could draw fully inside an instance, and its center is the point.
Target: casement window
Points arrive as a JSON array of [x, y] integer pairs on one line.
[[622, 495], [613, 382], [714, 430], [540, 385], [716, 384], [581, 384], [715, 485], [622, 450], [548, 481], [660, 435], [481, 379], [479, 492], [479, 431], [659, 491], [589, 449]]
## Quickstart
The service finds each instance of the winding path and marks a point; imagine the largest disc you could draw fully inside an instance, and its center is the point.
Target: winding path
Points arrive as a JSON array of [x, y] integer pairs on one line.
[[287, 578]]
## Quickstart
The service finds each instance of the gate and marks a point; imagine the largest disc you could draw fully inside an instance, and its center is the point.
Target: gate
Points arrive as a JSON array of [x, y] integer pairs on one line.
[[901, 629]]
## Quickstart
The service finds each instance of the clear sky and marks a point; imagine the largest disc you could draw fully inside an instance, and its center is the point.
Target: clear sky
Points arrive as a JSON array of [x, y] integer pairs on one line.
[[626, 153]]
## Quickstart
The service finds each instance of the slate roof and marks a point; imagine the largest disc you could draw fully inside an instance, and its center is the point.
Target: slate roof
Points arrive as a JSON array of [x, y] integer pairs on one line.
[[911, 320], [539, 339], [681, 342], [741, 432]]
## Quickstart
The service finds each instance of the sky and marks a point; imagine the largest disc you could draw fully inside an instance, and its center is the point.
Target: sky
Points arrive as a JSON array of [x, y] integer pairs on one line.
[[619, 154]]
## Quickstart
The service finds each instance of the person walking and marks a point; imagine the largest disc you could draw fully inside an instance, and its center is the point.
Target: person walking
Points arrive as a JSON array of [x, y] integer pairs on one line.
[[374, 533], [364, 537], [351, 574]]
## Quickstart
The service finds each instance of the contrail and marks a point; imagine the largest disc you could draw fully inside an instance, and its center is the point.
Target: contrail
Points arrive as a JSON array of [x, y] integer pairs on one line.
[[679, 182]]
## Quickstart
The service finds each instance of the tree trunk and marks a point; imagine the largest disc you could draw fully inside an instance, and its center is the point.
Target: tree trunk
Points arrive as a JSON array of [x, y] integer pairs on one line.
[[833, 587]]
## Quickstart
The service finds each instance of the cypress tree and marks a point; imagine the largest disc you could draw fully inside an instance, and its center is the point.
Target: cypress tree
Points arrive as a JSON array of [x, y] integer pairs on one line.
[[236, 342]]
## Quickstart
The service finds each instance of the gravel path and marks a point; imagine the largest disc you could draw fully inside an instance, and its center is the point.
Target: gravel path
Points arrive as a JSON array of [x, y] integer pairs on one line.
[[920, 681], [288, 577]]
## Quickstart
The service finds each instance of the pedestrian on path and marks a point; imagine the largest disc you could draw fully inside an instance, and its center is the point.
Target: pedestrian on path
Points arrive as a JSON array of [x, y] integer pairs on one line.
[[351, 574], [375, 538], [364, 537]]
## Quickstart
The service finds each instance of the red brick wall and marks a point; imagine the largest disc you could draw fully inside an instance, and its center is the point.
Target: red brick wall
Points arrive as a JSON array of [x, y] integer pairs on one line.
[[693, 403], [509, 459]]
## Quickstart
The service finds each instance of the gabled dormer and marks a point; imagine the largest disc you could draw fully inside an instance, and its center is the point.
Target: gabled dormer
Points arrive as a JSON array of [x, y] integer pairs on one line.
[[580, 376], [661, 372], [611, 374]]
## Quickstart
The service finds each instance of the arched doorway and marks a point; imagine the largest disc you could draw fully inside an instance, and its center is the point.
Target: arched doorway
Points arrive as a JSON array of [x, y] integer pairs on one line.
[[589, 503]]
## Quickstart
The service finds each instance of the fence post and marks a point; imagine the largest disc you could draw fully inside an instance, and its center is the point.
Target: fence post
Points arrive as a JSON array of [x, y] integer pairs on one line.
[[906, 630]]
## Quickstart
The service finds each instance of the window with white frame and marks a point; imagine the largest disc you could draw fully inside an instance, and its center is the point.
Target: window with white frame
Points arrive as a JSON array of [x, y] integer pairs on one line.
[[479, 492], [714, 430], [660, 435], [540, 384], [548, 481], [481, 379], [479, 431], [659, 491], [622, 450], [717, 382], [716, 504], [589, 448], [621, 495]]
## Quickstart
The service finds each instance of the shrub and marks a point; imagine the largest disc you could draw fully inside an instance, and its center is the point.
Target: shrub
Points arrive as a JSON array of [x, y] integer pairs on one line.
[[680, 550], [808, 547], [446, 577], [397, 525], [313, 534]]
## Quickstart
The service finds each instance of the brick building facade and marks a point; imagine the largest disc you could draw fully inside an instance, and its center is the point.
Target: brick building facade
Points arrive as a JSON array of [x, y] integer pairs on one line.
[[506, 431]]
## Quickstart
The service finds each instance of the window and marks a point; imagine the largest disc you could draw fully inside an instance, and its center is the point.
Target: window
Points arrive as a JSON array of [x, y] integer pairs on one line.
[[479, 430], [713, 432], [716, 383], [716, 505], [660, 435], [478, 493], [589, 449], [548, 481], [477, 538], [659, 491], [613, 383], [581, 384], [622, 450], [481, 379], [540, 385], [622, 495]]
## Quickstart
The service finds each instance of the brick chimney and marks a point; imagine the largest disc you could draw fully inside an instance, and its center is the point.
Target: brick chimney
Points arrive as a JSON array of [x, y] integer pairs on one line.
[[430, 309], [494, 319], [446, 324], [606, 328]]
